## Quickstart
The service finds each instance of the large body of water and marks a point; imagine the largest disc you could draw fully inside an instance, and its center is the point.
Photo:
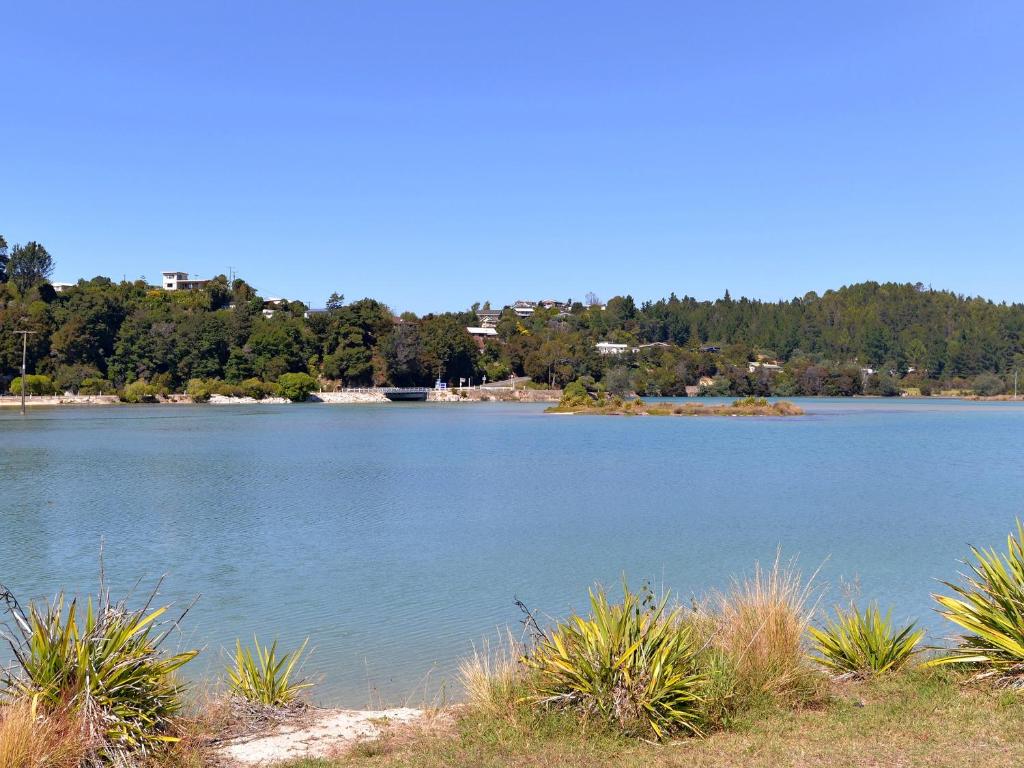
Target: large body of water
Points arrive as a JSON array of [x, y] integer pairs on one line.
[[396, 535]]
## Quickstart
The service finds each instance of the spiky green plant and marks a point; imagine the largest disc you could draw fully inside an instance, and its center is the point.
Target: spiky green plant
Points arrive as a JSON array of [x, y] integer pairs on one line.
[[259, 676], [990, 606], [107, 667], [632, 664], [864, 643]]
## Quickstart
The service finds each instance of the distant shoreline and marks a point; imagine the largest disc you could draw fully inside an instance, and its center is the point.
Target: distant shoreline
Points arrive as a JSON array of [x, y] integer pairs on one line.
[[352, 397], [357, 397]]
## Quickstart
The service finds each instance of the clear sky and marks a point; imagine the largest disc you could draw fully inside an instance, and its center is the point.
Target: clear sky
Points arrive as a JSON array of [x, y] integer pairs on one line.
[[433, 154]]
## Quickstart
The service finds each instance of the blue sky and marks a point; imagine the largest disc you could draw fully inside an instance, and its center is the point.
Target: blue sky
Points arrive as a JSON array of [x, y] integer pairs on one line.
[[433, 154]]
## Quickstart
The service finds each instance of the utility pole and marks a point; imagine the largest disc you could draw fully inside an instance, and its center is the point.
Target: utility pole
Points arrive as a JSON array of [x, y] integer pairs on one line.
[[24, 358]]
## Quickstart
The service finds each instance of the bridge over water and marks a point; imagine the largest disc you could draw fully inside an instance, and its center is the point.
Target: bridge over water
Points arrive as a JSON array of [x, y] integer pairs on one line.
[[404, 393]]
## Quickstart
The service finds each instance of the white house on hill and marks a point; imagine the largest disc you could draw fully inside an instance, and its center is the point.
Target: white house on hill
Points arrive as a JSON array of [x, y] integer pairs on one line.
[[179, 281]]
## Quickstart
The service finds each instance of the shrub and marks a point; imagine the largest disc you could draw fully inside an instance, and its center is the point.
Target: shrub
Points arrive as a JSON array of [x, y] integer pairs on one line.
[[258, 676], [139, 392], [70, 377], [631, 664], [107, 668], [95, 386], [751, 402], [296, 386], [761, 624], [260, 389], [864, 643], [199, 390], [926, 389], [574, 395], [990, 606], [225, 388], [883, 385], [987, 385], [719, 387], [34, 385]]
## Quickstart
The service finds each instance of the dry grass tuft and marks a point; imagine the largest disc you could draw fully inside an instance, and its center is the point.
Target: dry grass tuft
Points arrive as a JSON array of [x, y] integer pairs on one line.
[[493, 676], [762, 621], [30, 741]]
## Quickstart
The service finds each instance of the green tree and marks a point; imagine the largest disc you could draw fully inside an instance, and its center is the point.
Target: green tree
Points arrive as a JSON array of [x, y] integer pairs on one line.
[[296, 386], [4, 258], [988, 384], [448, 349], [29, 265]]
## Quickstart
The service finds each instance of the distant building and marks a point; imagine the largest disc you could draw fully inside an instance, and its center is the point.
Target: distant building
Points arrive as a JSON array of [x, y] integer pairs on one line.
[[180, 281], [763, 366], [488, 318], [712, 348], [271, 305], [61, 287], [610, 348], [480, 334], [524, 308]]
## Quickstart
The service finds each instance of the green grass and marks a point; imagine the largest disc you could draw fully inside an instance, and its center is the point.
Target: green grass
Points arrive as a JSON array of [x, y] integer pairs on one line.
[[926, 718]]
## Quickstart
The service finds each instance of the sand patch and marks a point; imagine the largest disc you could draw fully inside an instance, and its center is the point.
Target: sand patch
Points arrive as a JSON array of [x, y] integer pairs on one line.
[[327, 732]]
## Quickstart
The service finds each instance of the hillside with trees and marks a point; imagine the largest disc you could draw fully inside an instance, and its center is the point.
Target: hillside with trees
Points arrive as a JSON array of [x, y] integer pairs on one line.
[[101, 335]]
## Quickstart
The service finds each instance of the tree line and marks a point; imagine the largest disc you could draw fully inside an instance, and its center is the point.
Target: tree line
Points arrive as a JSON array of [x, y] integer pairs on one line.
[[102, 335]]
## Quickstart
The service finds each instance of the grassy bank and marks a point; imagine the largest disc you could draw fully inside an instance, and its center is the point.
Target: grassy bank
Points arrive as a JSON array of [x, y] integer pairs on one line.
[[931, 719]]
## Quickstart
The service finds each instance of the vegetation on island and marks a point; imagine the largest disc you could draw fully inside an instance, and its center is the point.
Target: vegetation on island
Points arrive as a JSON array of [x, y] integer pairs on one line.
[[100, 336], [98, 686], [576, 399]]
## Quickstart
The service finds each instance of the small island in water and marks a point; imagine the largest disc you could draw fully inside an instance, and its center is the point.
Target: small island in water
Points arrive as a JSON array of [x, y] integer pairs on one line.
[[576, 399]]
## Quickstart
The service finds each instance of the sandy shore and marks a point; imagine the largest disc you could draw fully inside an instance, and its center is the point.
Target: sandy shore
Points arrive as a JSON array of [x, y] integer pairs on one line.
[[330, 732]]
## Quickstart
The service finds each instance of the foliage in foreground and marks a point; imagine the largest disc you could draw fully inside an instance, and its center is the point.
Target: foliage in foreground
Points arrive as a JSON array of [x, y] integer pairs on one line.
[[259, 676], [916, 718], [759, 627], [864, 643], [494, 677], [990, 606], [631, 664], [30, 741], [106, 668]]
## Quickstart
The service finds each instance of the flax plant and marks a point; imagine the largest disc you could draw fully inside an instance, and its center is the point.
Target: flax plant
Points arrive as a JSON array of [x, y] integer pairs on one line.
[[864, 643], [259, 676], [105, 666], [631, 664], [990, 606]]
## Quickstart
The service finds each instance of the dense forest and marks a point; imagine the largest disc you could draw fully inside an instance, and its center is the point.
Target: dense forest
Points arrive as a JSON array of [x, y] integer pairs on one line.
[[100, 335]]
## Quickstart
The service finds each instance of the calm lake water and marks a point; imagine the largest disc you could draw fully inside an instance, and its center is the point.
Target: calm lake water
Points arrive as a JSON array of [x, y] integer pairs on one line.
[[396, 535]]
